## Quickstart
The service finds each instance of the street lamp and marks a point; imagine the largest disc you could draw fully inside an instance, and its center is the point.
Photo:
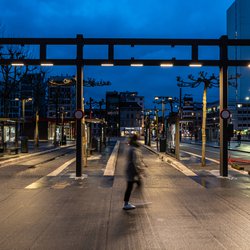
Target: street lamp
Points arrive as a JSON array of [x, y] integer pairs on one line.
[[247, 111], [157, 127], [24, 101], [147, 127], [63, 138], [163, 100]]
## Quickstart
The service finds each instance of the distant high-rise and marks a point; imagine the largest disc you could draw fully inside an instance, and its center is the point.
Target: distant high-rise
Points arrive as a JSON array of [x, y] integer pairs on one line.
[[238, 27]]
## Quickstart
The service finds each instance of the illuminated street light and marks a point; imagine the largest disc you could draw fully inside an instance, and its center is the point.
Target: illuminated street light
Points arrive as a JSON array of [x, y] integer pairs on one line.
[[167, 65], [107, 64], [136, 64], [24, 101], [47, 64], [195, 65], [17, 64]]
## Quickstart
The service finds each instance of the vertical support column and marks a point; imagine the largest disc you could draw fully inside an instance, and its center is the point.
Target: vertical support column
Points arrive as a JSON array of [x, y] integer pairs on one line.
[[177, 138], [223, 105], [79, 105], [36, 139], [163, 117], [23, 115], [180, 112]]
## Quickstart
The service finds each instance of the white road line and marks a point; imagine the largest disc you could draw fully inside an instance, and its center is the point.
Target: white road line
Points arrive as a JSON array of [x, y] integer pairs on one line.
[[110, 167], [54, 173], [61, 168], [215, 161], [3, 163], [210, 159]]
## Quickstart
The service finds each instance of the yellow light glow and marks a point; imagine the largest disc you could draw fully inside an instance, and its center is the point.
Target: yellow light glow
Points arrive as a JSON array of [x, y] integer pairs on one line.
[[195, 65], [167, 65], [17, 64], [47, 64], [136, 64], [248, 66], [107, 64]]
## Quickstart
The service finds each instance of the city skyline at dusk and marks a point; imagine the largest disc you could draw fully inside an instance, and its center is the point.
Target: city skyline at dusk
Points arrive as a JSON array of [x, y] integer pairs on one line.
[[126, 19]]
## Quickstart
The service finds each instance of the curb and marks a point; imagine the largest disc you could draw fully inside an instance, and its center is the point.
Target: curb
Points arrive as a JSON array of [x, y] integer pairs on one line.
[[172, 162]]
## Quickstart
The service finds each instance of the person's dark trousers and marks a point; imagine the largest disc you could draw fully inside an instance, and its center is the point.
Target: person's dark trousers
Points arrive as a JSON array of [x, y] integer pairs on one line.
[[128, 191]]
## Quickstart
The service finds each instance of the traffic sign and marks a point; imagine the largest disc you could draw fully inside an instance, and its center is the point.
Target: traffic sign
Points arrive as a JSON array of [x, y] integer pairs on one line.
[[79, 114], [225, 114]]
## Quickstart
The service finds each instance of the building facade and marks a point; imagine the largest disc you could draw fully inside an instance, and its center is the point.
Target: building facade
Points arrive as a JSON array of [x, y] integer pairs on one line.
[[124, 112], [238, 27], [61, 107]]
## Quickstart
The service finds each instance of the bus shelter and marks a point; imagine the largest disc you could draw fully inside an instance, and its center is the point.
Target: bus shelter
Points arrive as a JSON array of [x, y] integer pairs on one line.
[[8, 135]]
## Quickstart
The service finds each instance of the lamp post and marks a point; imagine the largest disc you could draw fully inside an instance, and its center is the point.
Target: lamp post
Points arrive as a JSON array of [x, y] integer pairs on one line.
[[156, 131], [63, 137], [247, 111], [163, 100], [23, 101], [147, 128]]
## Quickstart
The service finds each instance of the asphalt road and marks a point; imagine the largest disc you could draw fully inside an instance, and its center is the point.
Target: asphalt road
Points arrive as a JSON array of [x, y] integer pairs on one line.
[[173, 211]]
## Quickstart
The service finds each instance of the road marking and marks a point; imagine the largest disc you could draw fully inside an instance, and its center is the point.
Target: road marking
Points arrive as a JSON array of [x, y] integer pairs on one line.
[[61, 168], [4, 163], [54, 173], [210, 159], [217, 162], [110, 167]]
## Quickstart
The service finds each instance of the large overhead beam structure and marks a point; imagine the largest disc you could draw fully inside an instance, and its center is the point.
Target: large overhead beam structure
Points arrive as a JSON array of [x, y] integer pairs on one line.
[[193, 45]]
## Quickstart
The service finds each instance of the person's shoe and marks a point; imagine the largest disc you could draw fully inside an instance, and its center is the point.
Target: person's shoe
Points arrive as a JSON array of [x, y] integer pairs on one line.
[[128, 206]]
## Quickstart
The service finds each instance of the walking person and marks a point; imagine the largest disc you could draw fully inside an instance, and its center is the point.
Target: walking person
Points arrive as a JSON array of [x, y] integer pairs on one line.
[[239, 139], [134, 169]]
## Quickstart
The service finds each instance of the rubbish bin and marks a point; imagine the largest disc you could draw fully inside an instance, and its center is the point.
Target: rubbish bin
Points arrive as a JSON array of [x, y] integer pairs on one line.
[[24, 144], [163, 144], [64, 141]]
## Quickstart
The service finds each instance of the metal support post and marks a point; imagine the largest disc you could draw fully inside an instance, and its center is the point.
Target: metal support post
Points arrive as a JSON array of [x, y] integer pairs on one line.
[[79, 105], [223, 106], [163, 118], [177, 138]]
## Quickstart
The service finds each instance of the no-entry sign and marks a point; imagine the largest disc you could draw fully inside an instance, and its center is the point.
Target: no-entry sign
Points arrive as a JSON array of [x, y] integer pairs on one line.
[[79, 114], [225, 114]]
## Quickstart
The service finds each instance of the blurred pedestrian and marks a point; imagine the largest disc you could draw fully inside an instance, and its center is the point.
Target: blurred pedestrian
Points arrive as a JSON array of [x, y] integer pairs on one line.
[[239, 138], [134, 170]]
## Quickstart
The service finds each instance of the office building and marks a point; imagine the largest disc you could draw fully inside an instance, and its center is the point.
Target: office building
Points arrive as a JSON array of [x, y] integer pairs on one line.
[[238, 27]]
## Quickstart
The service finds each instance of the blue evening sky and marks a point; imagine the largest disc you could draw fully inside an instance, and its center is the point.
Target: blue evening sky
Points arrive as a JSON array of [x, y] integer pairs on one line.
[[123, 19]]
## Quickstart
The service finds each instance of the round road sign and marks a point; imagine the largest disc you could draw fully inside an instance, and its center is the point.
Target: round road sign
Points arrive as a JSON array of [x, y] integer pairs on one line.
[[225, 114], [79, 114]]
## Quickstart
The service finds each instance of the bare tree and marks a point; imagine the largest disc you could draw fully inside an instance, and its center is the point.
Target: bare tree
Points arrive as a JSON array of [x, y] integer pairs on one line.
[[208, 82], [12, 76]]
